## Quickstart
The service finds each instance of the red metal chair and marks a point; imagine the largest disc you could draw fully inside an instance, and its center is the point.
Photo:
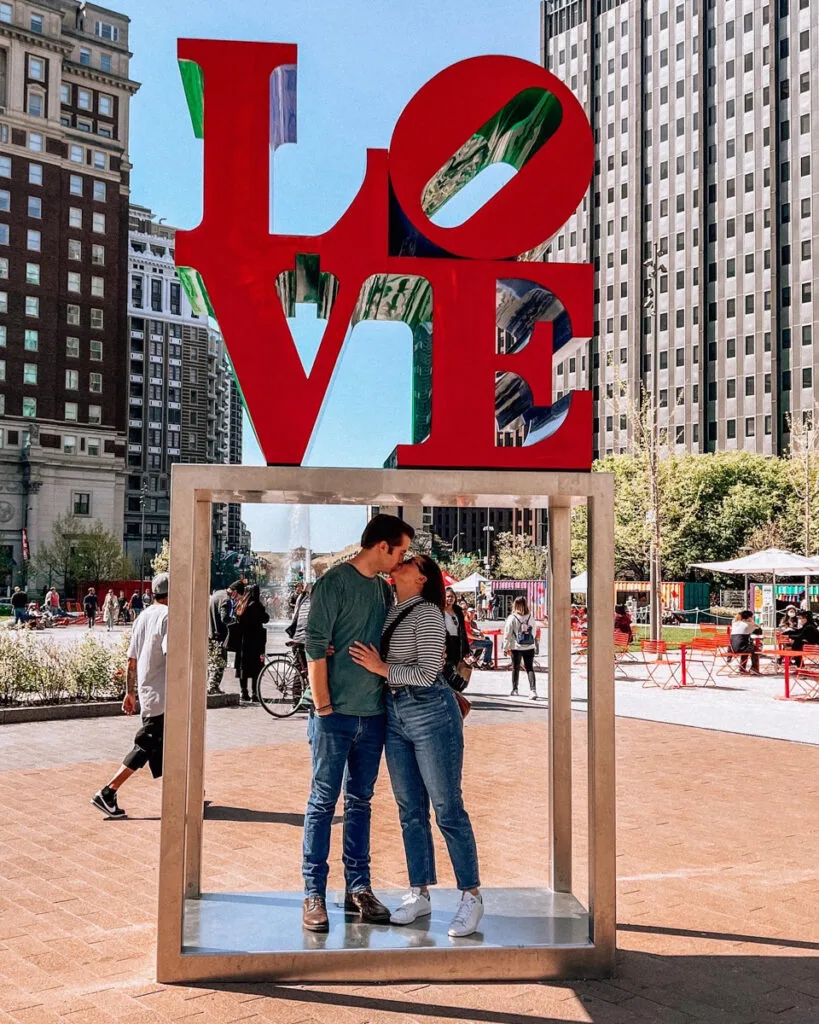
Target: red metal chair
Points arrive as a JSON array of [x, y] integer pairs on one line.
[[702, 655], [655, 656]]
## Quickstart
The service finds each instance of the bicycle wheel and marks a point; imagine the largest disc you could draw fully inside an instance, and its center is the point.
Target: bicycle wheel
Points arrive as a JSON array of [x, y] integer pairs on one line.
[[280, 686]]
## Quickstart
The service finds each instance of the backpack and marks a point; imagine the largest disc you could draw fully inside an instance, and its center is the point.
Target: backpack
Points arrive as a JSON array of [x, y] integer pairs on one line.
[[525, 635]]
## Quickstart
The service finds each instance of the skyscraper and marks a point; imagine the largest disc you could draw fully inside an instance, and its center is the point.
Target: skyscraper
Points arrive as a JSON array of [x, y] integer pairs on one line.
[[64, 182], [702, 113], [182, 400]]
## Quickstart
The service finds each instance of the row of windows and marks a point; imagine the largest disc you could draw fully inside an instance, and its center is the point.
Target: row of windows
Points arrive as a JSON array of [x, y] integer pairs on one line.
[[157, 288], [72, 377], [36, 143], [84, 99]]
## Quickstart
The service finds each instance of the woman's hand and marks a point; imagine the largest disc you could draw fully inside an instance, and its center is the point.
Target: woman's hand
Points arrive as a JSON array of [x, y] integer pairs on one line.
[[369, 658]]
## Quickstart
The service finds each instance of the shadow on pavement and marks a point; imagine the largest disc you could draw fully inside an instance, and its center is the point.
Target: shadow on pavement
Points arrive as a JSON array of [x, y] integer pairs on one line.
[[217, 812]]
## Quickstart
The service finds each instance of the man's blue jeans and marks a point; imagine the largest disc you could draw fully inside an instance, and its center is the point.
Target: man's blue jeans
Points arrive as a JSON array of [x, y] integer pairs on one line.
[[20, 615], [345, 749], [425, 753], [485, 646]]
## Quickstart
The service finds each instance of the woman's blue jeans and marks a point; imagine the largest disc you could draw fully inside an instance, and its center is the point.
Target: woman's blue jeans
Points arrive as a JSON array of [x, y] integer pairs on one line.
[[425, 752]]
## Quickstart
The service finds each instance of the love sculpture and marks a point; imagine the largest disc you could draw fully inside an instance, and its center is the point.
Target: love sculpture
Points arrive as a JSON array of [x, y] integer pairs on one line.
[[469, 294]]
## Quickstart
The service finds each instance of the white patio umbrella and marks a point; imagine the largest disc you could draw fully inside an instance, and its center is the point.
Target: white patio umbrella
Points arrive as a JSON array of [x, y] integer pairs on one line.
[[772, 561], [580, 584], [470, 584]]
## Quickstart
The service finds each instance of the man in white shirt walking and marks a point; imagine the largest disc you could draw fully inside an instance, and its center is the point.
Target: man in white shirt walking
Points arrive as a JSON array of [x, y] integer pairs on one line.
[[146, 676]]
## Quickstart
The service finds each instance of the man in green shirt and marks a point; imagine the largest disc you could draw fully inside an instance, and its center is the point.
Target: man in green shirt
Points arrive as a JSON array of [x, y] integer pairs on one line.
[[346, 724]]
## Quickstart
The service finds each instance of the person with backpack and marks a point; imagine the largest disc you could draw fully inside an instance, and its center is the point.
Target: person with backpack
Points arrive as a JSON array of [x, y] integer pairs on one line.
[[519, 644], [90, 605]]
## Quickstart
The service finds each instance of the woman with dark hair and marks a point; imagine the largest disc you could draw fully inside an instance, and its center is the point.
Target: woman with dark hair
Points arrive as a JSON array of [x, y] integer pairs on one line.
[[806, 632], [425, 742], [457, 642], [251, 617], [742, 629]]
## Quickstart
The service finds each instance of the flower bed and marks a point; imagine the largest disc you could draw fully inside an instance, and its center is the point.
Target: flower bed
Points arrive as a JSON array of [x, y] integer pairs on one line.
[[36, 671]]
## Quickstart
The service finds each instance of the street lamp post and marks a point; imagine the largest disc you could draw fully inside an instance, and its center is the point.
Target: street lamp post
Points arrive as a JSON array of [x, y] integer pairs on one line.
[[488, 530], [654, 268], [456, 540], [143, 501]]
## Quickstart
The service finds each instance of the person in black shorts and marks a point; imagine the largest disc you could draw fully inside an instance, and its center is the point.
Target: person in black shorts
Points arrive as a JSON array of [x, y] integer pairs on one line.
[[146, 677]]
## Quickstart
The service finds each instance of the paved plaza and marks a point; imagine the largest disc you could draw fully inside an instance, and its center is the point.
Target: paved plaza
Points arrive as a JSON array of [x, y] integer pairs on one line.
[[718, 837]]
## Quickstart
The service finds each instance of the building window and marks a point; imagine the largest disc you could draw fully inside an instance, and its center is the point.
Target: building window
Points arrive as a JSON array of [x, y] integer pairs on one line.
[[36, 23], [71, 410], [176, 298], [105, 104], [156, 295], [98, 287], [105, 62], [99, 191], [98, 223], [749, 426], [82, 503], [807, 377], [4, 267], [95, 414], [72, 314], [65, 94], [96, 351], [99, 160], [32, 305], [29, 374], [5, 13], [5, 200], [3, 338], [5, 166], [95, 383], [136, 290], [98, 255], [35, 206], [105, 30], [4, 234], [72, 348], [74, 217], [75, 184], [731, 429], [97, 319], [76, 154], [2, 369], [72, 380], [4, 302], [92, 446], [31, 341], [84, 99], [69, 444], [74, 249], [36, 103], [74, 281], [35, 142], [85, 56]]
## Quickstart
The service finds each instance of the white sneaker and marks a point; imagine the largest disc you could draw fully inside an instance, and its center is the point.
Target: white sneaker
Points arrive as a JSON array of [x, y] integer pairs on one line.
[[414, 905], [467, 916]]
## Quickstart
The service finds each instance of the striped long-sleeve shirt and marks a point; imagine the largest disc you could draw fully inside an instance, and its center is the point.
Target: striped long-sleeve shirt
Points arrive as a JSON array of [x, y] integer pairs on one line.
[[417, 645]]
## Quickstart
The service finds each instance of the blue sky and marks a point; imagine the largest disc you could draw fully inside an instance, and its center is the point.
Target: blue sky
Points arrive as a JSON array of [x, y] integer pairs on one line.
[[360, 61]]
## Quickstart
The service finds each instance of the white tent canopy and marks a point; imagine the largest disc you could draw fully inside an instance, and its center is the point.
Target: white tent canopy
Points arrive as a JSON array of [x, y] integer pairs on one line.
[[580, 584], [771, 561], [470, 584]]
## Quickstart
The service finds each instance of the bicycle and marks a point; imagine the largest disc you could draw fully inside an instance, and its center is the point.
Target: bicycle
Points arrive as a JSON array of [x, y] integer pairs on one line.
[[283, 682]]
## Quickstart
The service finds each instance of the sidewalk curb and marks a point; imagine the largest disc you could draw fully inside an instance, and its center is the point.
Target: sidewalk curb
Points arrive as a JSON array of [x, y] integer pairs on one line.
[[100, 709]]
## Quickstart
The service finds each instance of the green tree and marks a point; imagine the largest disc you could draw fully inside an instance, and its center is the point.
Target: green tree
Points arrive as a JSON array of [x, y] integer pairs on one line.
[[518, 558], [54, 563], [460, 565], [100, 556]]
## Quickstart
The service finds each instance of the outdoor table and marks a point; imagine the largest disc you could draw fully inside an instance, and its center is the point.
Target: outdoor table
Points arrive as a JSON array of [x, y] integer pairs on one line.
[[495, 633], [785, 654]]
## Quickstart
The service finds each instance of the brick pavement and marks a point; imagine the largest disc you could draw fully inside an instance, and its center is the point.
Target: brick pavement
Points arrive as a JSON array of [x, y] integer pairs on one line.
[[717, 867]]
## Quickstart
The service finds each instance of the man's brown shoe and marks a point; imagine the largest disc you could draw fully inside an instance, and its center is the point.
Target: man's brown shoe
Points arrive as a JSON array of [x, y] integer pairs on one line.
[[314, 914], [370, 909]]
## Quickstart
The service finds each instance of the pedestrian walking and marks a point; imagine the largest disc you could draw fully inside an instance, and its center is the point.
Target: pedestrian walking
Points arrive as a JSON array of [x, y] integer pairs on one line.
[[19, 601], [124, 615], [220, 616], [135, 604], [519, 644], [146, 678], [110, 609], [251, 617], [89, 606]]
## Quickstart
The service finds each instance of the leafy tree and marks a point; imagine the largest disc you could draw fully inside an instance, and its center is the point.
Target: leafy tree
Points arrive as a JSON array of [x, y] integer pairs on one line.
[[100, 557], [518, 558], [460, 566], [54, 563]]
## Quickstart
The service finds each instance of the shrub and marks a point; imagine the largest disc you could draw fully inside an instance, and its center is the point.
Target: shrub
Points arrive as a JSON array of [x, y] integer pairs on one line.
[[90, 670]]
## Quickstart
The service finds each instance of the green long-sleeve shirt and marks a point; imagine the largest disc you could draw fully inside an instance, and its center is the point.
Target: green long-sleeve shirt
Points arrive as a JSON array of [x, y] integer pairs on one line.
[[346, 606]]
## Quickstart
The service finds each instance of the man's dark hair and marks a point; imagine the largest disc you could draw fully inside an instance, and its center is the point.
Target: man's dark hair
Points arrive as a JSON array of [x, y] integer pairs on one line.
[[385, 528]]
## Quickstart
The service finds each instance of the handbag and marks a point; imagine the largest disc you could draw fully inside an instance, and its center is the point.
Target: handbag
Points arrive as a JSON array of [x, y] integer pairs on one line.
[[457, 676], [233, 640], [463, 704]]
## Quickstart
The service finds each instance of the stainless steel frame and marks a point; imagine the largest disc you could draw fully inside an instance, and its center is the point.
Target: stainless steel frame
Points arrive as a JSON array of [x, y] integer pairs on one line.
[[557, 949]]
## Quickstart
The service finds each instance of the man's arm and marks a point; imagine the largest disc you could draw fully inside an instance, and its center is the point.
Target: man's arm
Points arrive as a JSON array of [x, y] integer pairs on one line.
[[324, 608], [129, 704]]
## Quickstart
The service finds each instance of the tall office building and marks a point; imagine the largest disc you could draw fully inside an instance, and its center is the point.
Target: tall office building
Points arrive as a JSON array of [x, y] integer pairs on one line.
[[702, 112], [64, 182], [182, 402]]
